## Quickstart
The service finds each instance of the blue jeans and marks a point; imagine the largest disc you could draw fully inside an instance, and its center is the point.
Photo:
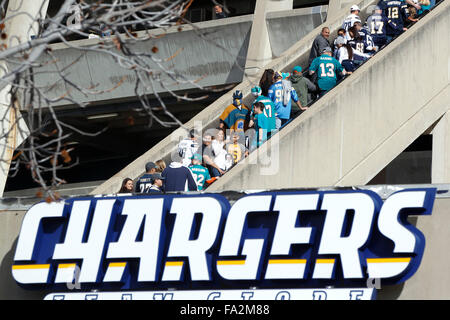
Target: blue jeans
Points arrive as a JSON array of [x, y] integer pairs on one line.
[[279, 122], [214, 172]]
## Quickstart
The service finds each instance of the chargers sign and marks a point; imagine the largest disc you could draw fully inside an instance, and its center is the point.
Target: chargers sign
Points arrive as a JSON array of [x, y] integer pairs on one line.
[[268, 240]]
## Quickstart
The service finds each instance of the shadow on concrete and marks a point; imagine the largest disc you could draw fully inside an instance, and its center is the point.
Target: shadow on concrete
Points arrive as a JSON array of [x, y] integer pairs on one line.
[[9, 289], [394, 292], [237, 72]]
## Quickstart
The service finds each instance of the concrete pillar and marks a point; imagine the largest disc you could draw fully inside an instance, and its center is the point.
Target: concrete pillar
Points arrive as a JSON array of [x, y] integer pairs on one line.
[[21, 24], [440, 162], [259, 50]]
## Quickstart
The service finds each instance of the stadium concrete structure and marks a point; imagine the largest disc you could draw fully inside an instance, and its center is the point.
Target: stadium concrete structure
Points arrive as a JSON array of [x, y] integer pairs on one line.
[[355, 136]]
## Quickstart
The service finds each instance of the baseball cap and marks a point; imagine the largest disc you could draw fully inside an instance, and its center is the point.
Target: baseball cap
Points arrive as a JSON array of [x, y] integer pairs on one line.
[[327, 49], [197, 156], [340, 40], [278, 74], [149, 166], [354, 8], [156, 176], [376, 8], [256, 91], [297, 68]]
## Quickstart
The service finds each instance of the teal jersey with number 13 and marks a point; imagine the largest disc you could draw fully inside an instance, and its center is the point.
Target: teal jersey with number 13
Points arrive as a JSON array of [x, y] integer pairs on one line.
[[327, 69]]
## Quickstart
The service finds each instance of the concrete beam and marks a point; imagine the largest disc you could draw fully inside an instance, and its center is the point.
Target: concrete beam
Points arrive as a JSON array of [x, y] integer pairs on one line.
[[259, 50], [440, 165], [335, 7], [278, 5], [213, 53], [389, 149]]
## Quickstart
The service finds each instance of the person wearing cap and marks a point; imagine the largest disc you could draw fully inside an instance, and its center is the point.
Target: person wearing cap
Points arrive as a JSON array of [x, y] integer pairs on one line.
[[269, 109], [376, 24], [327, 68], [157, 183], [145, 181], [352, 18], [187, 147], [319, 43], [200, 173], [281, 93], [303, 86], [235, 115]]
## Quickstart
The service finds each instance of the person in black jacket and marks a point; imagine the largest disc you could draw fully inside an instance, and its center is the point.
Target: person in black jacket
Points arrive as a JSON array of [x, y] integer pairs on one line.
[[320, 42], [178, 177], [218, 10]]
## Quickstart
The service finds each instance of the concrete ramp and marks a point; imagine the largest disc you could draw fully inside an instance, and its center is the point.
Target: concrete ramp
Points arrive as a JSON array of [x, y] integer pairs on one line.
[[361, 125], [296, 55]]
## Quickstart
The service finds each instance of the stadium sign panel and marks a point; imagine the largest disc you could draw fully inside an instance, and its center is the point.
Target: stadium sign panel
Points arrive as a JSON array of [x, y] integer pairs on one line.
[[201, 246]]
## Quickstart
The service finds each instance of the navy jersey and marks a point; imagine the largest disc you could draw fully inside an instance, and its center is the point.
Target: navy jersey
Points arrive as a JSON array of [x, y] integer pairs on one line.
[[358, 44], [396, 12], [144, 183], [377, 24], [367, 39]]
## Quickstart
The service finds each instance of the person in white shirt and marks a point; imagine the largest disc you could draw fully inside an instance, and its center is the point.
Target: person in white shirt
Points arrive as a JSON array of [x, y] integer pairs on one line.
[[218, 147], [188, 147], [351, 19]]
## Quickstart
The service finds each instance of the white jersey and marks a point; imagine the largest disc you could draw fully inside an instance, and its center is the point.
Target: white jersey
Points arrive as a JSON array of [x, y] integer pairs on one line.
[[342, 55], [349, 22], [187, 148]]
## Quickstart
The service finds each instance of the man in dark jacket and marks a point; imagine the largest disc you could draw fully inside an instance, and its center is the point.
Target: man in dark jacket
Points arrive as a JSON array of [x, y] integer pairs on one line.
[[320, 42], [303, 86], [219, 12], [178, 177]]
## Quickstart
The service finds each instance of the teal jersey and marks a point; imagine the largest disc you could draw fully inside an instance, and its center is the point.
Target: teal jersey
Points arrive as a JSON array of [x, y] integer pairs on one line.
[[261, 122], [268, 112], [327, 69], [201, 174]]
